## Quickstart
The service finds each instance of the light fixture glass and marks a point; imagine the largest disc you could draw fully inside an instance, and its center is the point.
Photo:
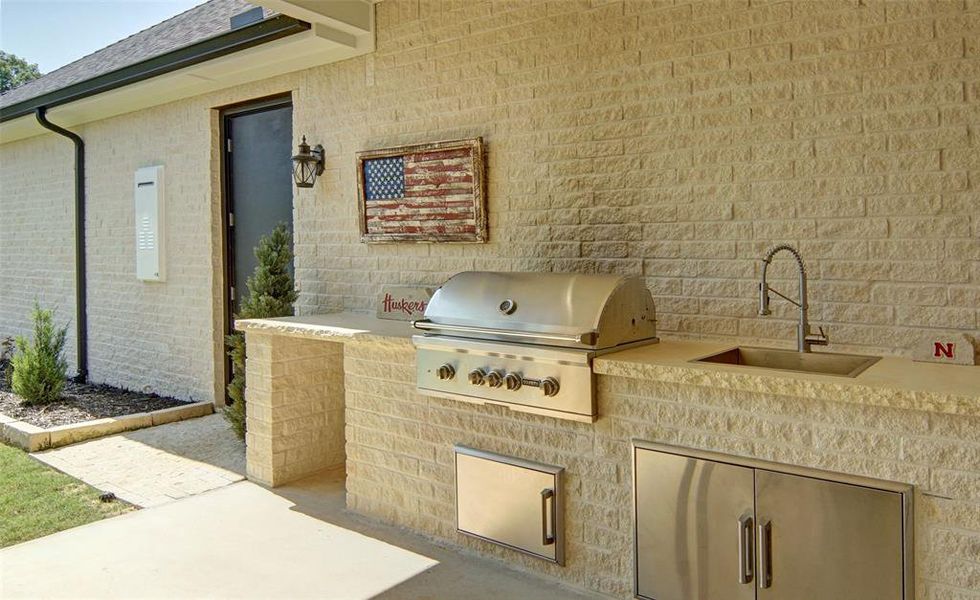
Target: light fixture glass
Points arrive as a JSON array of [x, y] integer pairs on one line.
[[307, 164]]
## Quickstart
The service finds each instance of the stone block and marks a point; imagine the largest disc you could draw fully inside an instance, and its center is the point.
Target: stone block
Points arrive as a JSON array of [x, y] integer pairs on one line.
[[179, 413], [77, 432], [26, 436]]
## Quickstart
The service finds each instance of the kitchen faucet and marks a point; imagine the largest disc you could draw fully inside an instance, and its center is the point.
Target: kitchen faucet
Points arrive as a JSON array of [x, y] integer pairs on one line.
[[804, 337]]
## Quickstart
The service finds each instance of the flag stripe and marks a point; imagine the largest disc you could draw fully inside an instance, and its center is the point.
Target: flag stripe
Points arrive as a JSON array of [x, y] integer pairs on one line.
[[421, 192]]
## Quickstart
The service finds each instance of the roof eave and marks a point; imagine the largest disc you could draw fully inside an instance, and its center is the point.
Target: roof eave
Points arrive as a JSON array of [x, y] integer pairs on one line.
[[220, 45]]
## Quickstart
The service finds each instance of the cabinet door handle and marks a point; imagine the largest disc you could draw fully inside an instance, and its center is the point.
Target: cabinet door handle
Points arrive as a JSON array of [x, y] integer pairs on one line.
[[547, 525], [745, 558], [765, 554]]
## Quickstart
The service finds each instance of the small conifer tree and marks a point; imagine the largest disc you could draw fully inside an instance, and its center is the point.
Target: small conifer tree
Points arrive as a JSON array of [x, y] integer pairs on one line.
[[39, 366], [271, 293]]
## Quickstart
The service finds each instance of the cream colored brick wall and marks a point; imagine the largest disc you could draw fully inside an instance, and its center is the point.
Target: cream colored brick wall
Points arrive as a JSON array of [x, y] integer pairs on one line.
[[677, 140], [161, 337], [295, 407], [157, 335], [400, 461], [145, 336], [36, 263], [673, 140]]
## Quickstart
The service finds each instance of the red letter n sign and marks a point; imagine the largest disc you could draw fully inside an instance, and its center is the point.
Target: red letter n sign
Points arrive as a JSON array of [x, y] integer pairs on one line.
[[950, 349]]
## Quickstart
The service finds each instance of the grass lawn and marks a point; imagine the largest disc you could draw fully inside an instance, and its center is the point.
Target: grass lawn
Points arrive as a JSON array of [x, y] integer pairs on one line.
[[36, 500]]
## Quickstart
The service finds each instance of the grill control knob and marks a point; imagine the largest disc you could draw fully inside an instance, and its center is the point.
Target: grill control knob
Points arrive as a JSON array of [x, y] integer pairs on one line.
[[550, 387], [477, 376], [512, 381], [446, 371], [495, 378]]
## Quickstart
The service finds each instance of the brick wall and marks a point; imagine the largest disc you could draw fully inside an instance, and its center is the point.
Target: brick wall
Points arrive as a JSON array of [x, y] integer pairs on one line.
[[158, 337], [37, 251], [672, 140], [400, 461], [295, 399], [678, 140]]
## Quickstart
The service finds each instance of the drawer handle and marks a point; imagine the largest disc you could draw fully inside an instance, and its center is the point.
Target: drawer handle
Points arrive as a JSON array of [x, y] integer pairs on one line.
[[547, 524], [765, 555], [745, 558]]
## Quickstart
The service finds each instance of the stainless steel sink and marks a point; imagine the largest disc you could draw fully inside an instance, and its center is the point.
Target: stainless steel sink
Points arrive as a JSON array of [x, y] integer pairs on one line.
[[844, 365]]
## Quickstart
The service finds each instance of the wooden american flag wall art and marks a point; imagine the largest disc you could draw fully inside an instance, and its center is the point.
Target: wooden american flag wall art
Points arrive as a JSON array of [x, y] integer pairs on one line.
[[423, 193]]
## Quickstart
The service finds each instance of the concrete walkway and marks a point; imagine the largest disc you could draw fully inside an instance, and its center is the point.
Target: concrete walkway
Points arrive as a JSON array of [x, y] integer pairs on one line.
[[157, 465], [246, 541]]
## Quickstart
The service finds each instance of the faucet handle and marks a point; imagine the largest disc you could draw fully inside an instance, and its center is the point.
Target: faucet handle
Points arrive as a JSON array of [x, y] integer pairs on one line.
[[819, 339], [764, 300]]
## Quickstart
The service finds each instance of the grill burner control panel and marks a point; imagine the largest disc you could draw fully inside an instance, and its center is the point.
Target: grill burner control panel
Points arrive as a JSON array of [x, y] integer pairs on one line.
[[495, 379], [550, 381]]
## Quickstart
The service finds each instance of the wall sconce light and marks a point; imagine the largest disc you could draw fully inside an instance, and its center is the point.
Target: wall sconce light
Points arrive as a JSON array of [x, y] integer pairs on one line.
[[307, 164]]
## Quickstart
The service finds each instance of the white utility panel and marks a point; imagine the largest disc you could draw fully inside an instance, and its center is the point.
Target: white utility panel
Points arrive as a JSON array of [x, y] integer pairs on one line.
[[149, 202]]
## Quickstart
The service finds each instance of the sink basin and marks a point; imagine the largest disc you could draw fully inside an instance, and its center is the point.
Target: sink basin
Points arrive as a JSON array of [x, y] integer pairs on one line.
[[844, 365]]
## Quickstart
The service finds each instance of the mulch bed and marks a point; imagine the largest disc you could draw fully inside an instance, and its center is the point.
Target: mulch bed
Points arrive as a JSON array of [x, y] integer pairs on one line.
[[82, 402]]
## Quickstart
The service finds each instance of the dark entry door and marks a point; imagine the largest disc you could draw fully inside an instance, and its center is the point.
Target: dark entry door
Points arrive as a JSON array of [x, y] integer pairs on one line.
[[259, 194]]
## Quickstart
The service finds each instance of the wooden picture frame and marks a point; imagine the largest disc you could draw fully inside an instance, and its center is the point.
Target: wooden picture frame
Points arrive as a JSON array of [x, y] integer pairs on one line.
[[423, 193]]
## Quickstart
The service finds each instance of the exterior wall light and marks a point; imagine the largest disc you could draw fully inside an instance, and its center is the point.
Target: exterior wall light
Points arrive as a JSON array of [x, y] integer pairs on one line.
[[307, 164]]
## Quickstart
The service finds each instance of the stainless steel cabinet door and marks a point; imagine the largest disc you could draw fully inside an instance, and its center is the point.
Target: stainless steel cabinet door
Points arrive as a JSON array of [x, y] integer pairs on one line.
[[823, 540], [510, 501], [693, 528]]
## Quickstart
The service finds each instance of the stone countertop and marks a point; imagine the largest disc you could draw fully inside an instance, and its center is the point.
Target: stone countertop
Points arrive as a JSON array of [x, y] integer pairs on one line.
[[338, 327], [892, 381]]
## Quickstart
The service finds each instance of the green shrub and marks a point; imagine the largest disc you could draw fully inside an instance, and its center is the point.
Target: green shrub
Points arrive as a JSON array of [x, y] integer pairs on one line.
[[40, 367], [271, 293], [235, 413], [6, 368]]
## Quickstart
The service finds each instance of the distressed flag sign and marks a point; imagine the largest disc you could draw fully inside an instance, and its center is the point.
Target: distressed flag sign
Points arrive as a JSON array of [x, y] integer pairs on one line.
[[423, 193]]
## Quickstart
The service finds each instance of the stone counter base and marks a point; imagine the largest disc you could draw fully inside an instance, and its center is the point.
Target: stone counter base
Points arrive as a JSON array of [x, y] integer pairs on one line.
[[295, 407], [310, 400], [400, 461], [31, 438]]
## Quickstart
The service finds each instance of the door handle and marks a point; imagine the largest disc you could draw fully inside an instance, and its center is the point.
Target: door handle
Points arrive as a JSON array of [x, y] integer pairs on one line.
[[765, 555], [547, 525], [745, 558]]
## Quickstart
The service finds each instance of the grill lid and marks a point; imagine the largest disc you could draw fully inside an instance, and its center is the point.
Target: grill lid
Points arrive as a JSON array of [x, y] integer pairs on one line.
[[556, 309]]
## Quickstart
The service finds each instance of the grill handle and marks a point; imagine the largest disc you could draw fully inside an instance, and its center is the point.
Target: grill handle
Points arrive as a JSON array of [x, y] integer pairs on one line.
[[587, 338]]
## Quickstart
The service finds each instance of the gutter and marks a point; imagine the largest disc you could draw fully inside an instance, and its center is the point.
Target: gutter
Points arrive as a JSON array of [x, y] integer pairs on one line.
[[81, 311], [214, 47]]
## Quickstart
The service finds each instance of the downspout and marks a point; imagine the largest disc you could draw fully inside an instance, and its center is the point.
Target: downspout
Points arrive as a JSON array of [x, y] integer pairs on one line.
[[81, 313]]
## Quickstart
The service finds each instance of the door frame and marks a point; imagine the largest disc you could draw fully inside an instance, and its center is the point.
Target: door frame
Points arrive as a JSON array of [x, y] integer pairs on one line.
[[227, 274]]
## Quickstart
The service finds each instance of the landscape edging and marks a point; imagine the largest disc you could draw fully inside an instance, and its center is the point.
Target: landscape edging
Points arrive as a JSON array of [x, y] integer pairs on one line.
[[32, 438]]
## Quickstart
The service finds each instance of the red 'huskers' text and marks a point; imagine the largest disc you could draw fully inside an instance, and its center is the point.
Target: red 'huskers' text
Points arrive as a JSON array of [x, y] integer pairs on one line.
[[406, 306]]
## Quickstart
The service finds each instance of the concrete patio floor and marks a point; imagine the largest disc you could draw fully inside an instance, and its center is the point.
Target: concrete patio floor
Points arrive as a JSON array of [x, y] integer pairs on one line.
[[246, 541]]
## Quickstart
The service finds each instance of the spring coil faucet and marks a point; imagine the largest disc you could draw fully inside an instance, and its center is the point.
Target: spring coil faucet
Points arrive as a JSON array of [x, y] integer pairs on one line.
[[804, 337]]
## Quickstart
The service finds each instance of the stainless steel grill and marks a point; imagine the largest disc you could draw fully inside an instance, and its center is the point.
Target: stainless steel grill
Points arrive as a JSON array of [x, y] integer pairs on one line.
[[527, 340]]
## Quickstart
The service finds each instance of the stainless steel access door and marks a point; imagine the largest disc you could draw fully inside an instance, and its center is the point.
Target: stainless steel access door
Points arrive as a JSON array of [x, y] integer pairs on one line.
[[510, 501], [694, 523], [821, 540]]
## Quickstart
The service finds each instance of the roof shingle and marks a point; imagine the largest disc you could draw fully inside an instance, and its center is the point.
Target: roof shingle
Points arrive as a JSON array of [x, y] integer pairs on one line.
[[194, 25]]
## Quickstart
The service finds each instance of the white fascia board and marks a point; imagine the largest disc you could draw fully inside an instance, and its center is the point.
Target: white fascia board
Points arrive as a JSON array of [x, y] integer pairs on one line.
[[352, 16], [319, 45]]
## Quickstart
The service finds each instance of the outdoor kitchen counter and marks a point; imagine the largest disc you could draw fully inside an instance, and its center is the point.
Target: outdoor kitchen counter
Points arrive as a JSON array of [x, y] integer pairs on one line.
[[337, 327], [339, 391], [891, 382]]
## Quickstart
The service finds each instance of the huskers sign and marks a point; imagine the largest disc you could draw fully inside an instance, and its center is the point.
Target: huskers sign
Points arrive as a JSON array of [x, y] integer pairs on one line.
[[403, 303]]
